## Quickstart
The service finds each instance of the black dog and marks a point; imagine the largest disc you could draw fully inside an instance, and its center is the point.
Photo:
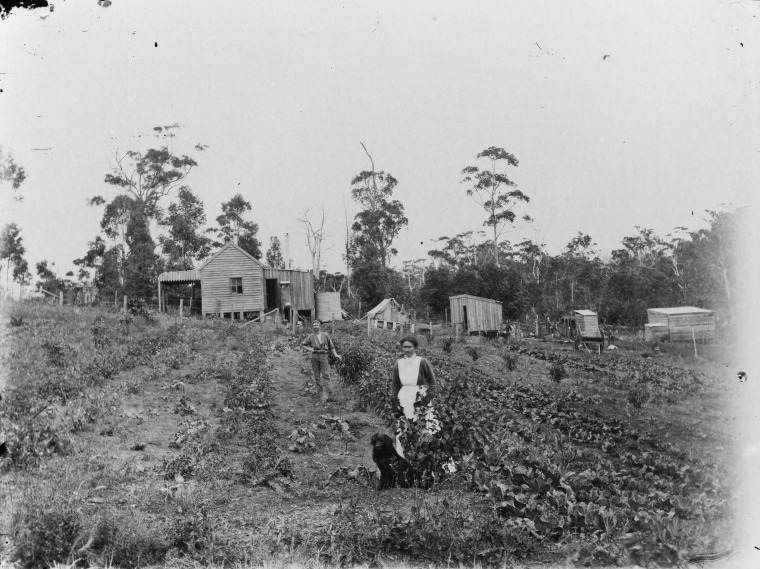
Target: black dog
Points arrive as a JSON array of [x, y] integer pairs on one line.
[[394, 470]]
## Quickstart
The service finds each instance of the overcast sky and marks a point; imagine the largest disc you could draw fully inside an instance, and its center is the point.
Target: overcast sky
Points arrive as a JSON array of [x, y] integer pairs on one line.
[[283, 92]]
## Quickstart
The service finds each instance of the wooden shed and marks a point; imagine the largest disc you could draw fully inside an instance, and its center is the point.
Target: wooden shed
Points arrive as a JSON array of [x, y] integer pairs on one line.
[[289, 290], [234, 283], [475, 314], [388, 314], [677, 324]]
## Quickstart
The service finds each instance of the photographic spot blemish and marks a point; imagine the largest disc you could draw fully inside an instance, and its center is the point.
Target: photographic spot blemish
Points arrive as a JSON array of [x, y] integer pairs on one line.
[[155, 44]]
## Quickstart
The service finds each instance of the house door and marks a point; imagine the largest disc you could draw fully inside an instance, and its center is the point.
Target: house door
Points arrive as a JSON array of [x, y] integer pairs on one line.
[[464, 318], [272, 290]]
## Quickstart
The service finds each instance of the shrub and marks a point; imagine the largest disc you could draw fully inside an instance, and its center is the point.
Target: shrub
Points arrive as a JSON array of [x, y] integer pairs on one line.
[[84, 415], [100, 368], [255, 465], [191, 531], [181, 466], [510, 361], [174, 357], [57, 352], [637, 397], [473, 353], [448, 345], [557, 372], [355, 364]]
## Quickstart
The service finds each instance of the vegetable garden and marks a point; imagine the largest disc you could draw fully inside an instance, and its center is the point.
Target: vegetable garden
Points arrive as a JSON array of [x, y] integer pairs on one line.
[[166, 443]]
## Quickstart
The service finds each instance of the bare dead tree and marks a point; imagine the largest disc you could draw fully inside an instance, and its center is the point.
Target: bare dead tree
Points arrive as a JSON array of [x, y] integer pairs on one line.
[[414, 273], [315, 237]]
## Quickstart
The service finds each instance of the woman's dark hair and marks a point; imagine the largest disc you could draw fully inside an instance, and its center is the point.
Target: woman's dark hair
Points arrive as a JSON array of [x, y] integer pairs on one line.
[[411, 339]]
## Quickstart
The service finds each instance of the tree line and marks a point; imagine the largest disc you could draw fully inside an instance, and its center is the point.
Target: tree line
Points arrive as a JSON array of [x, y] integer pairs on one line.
[[153, 222]]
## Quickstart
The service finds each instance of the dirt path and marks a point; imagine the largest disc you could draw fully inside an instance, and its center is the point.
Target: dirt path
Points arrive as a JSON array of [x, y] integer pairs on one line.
[[296, 404]]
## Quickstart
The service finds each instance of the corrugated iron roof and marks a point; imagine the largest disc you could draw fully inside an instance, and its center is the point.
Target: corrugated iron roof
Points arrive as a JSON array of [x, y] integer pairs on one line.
[[475, 297], [585, 312], [681, 310], [180, 276]]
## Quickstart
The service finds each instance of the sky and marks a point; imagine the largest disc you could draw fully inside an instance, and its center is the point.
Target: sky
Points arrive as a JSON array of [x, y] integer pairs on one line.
[[620, 113]]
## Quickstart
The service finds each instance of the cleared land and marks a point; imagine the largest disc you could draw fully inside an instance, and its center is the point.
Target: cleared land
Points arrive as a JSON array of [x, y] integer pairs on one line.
[[203, 442]]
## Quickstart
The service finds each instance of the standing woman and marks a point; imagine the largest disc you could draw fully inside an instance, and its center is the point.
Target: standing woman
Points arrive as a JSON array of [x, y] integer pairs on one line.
[[412, 375]]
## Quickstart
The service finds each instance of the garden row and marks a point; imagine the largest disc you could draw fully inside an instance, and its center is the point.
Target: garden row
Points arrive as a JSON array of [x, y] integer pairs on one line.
[[634, 370]]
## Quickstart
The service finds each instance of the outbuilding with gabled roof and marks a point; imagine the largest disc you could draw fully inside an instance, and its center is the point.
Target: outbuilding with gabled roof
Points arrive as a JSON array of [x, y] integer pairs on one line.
[[680, 324], [388, 314]]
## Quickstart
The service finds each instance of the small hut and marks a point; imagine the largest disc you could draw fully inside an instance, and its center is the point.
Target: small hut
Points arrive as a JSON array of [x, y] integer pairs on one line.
[[475, 314], [680, 324], [587, 329], [388, 315], [582, 326]]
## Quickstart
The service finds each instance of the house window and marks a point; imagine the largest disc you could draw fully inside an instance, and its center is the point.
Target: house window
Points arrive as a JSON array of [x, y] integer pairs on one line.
[[236, 285]]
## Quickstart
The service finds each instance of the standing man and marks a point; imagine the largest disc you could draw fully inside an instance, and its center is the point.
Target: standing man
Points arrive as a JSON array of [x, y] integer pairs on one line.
[[319, 344]]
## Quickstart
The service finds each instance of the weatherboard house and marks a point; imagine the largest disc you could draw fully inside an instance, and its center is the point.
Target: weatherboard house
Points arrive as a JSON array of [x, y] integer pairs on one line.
[[235, 284]]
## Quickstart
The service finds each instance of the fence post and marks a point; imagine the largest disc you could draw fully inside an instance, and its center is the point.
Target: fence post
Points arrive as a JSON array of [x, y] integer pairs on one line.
[[60, 298], [369, 333], [693, 339], [115, 299], [125, 304], [181, 306], [431, 330]]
